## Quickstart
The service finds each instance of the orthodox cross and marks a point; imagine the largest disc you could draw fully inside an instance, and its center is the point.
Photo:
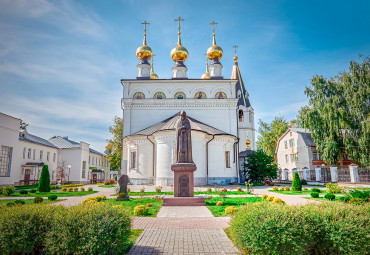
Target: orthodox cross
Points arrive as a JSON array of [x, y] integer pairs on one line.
[[145, 23], [213, 23], [235, 46], [179, 19]]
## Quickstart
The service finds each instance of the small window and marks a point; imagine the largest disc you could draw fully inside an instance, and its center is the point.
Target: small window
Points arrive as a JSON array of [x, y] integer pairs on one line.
[[41, 155], [227, 159], [48, 156], [293, 158], [5, 160], [54, 157], [83, 169], [286, 159], [29, 153], [133, 160], [34, 154], [285, 144], [291, 143], [241, 116], [24, 152]]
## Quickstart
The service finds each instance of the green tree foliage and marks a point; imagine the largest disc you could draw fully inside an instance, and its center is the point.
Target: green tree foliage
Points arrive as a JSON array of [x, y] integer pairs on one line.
[[270, 133], [114, 145], [259, 166], [338, 114], [44, 181], [23, 125], [297, 185]]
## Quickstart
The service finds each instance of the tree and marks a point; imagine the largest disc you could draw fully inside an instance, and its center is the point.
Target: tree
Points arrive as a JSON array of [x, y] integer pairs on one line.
[[270, 134], [338, 114], [296, 184], [114, 145], [259, 166], [23, 125], [44, 181]]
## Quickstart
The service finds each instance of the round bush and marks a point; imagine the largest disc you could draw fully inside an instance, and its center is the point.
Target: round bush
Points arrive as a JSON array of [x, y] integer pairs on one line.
[[277, 200], [19, 202], [231, 210], [140, 210], [10, 204], [209, 190], [329, 196], [345, 199], [64, 189], [90, 189], [52, 197], [33, 190], [316, 190], [281, 188], [7, 190], [303, 182], [270, 198], [149, 205], [264, 196], [219, 203], [293, 189], [23, 192], [314, 194], [158, 190], [305, 189], [239, 189], [75, 189], [38, 200], [82, 189], [70, 189], [275, 188], [286, 188]]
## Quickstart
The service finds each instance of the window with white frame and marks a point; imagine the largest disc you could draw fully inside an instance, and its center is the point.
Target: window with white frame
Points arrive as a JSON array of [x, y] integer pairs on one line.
[[29, 154], [291, 143], [227, 159], [48, 156], [54, 156], [41, 155], [5, 160], [24, 152], [286, 158], [83, 169], [34, 154], [132, 159], [294, 157]]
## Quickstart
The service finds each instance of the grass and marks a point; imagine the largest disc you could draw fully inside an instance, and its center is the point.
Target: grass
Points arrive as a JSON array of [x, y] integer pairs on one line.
[[219, 211], [152, 211], [135, 233], [107, 186], [324, 199], [28, 201], [58, 193], [290, 192]]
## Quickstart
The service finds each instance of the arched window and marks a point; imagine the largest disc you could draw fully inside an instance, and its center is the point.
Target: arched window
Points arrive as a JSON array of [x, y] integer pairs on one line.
[[220, 95], [239, 94], [180, 95], [241, 116], [200, 95], [159, 95], [139, 95]]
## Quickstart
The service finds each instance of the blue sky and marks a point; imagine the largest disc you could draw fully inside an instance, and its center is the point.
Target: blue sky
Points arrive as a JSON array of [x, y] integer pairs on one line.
[[61, 61]]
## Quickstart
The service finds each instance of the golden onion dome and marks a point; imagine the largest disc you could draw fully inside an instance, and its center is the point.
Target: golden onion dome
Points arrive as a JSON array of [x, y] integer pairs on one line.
[[206, 75], [214, 51], [248, 143], [144, 51], [179, 53]]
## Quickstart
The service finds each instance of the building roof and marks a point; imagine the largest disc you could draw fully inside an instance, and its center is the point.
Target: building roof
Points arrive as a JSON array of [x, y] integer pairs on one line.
[[24, 136], [65, 143], [170, 124], [236, 75], [305, 134]]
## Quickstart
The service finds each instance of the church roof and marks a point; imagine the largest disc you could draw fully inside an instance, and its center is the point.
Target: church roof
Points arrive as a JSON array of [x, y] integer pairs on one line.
[[244, 99], [170, 124]]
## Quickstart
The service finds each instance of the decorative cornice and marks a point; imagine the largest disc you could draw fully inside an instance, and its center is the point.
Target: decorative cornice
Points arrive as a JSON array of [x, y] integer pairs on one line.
[[179, 103]]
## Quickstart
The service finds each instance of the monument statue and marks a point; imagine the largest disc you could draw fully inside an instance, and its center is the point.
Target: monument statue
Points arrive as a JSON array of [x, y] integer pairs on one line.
[[183, 140], [122, 194]]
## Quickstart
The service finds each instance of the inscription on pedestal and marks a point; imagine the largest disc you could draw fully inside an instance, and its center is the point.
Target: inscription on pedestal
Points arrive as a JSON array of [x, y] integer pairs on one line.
[[184, 185]]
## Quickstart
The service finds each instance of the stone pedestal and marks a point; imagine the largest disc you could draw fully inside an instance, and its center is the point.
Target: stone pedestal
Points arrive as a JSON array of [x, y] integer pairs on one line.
[[353, 171], [183, 179], [318, 174]]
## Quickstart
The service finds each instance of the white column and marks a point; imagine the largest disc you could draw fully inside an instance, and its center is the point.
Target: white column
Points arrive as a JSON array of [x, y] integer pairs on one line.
[[179, 71], [334, 173], [318, 173], [353, 171], [143, 69]]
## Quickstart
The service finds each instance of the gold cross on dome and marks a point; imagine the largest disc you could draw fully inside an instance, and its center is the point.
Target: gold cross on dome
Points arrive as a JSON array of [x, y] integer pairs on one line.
[[179, 19], [145, 23], [235, 46], [213, 23]]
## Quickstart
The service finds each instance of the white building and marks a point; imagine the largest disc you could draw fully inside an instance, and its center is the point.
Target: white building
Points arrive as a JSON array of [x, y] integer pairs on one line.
[[22, 156], [219, 111]]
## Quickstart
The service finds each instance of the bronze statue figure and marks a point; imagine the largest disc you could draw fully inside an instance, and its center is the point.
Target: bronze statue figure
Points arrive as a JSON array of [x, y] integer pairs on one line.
[[183, 140]]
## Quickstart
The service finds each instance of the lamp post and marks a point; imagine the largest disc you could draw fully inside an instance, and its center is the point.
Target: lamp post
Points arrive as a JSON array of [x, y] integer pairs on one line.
[[69, 171]]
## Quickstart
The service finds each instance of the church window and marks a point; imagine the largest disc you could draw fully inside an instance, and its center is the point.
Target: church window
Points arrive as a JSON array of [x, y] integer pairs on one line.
[[139, 95], [29, 153], [159, 95], [133, 160], [239, 94], [5, 160], [200, 95], [221, 95], [24, 152], [83, 169], [227, 159], [180, 95], [34, 154], [48, 156], [241, 116]]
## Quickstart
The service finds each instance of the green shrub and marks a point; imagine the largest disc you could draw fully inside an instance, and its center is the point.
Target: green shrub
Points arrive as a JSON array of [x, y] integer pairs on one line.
[[70, 189], [345, 199], [38, 200], [275, 188], [23, 192], [90, 189], [239, 189], [209, 190], [293, 189], [140, 210], [7, 190], [316, 190], [286, 188], [10, 204], [72, 185], [75, 189], [82, 189], [149, 205], [64, 189], [314, 194], [231, 210], [19, 202], [333, 188], [44, 181], [363, 194], [158, 190], [33, 190], [329, 228], [281, 188], [52, 197], [303, 182], [356, 201], [296, 182], [329, 196]]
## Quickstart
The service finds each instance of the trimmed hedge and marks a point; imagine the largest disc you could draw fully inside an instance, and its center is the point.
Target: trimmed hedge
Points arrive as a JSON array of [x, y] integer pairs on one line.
[[296, 184], [83, 229], [325, 228]]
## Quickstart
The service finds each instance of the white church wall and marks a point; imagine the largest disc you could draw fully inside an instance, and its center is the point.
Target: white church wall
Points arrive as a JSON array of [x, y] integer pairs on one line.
[[199, 157], [73, 158], [143, 172], [164, 142]]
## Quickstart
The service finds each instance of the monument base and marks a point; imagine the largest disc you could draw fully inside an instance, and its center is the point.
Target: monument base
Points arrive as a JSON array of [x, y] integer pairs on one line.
[[183, 179], [184, 201], [122, 198]]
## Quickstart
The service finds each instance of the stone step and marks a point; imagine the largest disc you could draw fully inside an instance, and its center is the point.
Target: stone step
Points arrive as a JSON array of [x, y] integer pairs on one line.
[[184, 201]]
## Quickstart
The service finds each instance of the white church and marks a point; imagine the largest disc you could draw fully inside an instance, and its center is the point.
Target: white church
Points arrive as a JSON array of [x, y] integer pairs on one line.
[[219, 110]]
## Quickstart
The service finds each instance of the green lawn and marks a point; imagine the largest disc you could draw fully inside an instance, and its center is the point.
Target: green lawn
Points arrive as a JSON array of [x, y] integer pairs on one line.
[[290, 192], [219, 211], [58, 193], [28, 201], [26, 187], [107, 186], [152, 211]]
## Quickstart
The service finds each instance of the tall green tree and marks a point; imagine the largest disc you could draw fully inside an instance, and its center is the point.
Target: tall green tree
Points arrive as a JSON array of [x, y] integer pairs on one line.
[[259, 166], [44, 181], [114, 145], [270, 133], [338, 114]]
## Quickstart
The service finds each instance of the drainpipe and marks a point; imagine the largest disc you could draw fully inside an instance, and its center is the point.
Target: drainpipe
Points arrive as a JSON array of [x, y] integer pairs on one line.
[[237, 132], [154, 153], [213, 137], [236, 158]]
